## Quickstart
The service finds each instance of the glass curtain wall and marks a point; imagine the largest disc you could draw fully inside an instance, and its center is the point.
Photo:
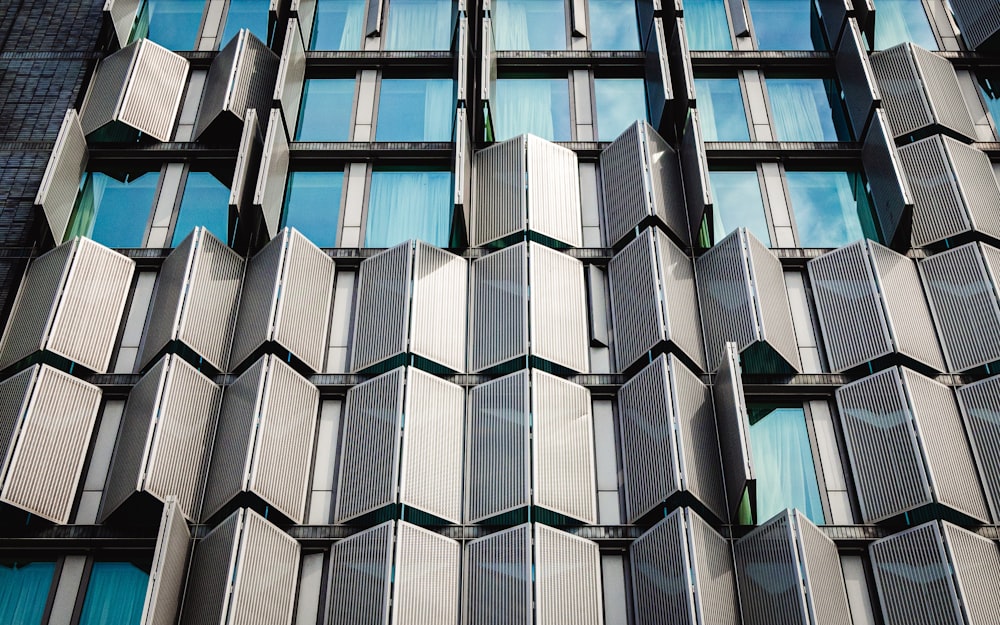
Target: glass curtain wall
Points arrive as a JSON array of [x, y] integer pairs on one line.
[[832, 208], [613, 25], [706, 24], [407, 205], [24, 591], [899, 21], [312, 204], [529, 24], [339, 25], [205, 203], [539, 106], [802, 109], [721, 112], [619, 102], [326, 110], [419, 25], [786, 25], [415, 110], [174, 24], [250, 14], [113, 208], [738, 202]]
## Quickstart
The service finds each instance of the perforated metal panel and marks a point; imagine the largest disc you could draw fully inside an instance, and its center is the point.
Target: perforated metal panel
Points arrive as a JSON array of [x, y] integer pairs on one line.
[[774, 312], [438, 310], [361, 573], [770, 581], [567, 579], [980, 406], [291, 76], [169, 568], [558, 308], [553, 191], [734, 432], [891, 195], [826, 595], [714, 576], [122, 14], [979, 22], [664, 592], [976, 563], [13, 402], [498, 578], [861, 94], [501, 199], [498, 308], [61, 181], [259, 299], [426, 583], [698, 440], [694, 170], [206, 600], [382, 307], [266, 576], [164, 308], [269, 194]]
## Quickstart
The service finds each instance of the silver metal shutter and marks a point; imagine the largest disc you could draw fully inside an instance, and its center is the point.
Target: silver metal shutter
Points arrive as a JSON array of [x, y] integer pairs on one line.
[[438, 308], [169, 568], [553, 175], [826, 594], [498, 308], [771, 581], [976, 564], [361, 572], [266, 576], [774, 312], [382, 307], [259, 300], [35, 306], [248, 157], [558, 308], [498, 579], [893, 200], [659, 86], [698, 440], [304, 11], [291, 74], [426, 584], [213, 562], [979, 21], [500, 199], [980, 406], [734, 433], [714, 576], [487, 73], [463, 168], [694, 172], [861, 94], [164, 308], [567, 579], [122, 14], [269, 194], [61, 181]]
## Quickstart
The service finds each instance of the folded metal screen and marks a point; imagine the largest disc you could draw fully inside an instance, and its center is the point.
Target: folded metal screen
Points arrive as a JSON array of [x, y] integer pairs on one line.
[[980, 406]]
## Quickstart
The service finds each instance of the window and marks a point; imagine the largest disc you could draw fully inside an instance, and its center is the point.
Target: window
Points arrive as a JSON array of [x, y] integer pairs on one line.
[[24, 591], [116, 592], [326, 110], [783, 462], [415, 110], [613, 25], [539, 106], [989, 87], [706, 24], [407, 205], [339, 25], [737, 202], [250, 14], [205, 203], [897, 21], [619, 102], [312, 204], [419, 25], [802, 109], [529, 24], [112, 208], [786, 25], [832, 208], [723, 95], [173, 24]]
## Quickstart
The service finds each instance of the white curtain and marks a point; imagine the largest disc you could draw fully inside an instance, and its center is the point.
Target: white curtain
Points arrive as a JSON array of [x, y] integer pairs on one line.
[[439, 106], [796, 111], [706, 110], [898, 21], [409, 205], [524, 106], [783, 462], [419, 25], [350, 38], [511, 25]]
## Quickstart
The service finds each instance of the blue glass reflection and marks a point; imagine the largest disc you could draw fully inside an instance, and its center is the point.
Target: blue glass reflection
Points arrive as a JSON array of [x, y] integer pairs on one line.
[[898, 21], [312, 204], [802, 110], [989, 86], [706, 24], [250, 14], [783, 463], [326, 110], [539, 106], [613, 25], [529, 24], [407, 205], [205, 203], [831, 208], [786, 25], [738, 202], [419, 25], [338, 25], [115, 594], [722, 95], [173, 24], [415, 110], [619, 102], [24, 591], [114, 209]]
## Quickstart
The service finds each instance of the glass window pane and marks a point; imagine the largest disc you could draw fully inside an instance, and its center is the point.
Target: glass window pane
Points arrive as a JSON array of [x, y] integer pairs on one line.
[[619, 102], [407, 205], [802, 110], [326, 110], [722, 114], [115, 594], [786, 25], [250, 14], [24, 591], [339, 25], [419, 25], [173, 24], [989, 86], [738, 202], [205, 203], [783, 463], [897, 21], [113, 209], [312, 204], [415, 110], [529, 24], [539, 106], [706, 24], [613, 25], [831, 208]]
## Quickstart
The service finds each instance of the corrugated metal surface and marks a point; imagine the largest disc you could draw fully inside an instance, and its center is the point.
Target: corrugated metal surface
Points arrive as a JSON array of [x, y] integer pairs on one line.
[[734, 431], [382, 307], [303, 304], [43, 471], [248, 157], [977, 185], [438, 313], [498, 309], [558, 308], [625, 173], [563, 447], [361, 572], [698, 440], [500, 199], [497, 579], [61, 181], [259, 299], [13, 402], [976, 563], [854, 70], [554, 191], [774, 313], [463, 167], [122, 14], [637, 305], [965, 302], [770, 578], [152, 97], [659, 87], [222, 75], [665, 182], [725, 298], [679, 296], [567, 579], [426, 584], [893, 200], [979, 21], [497, 439], [269, 194], [372, 419], [266, 576], [826, 595], [714, 574], [980, 406], [694, 171], [165, 307], [914, 578], [169, 568], [939, 208], [102, 103], [431, 462], [664, 592], [213, 565]]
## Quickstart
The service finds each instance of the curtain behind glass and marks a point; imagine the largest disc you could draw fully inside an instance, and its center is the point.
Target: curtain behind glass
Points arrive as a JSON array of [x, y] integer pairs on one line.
[[619, 102], [24, 591], [801, 110], [786, 25], [115, 594], [439, 107], [407, 205], [419, 25], [326, 110], [898, 21], [338, 25], [738, 202], [312, 205], [722, 94], [529, 24], [613, 25], [827, 211], [783, 463], [706, 24], [539, 106]]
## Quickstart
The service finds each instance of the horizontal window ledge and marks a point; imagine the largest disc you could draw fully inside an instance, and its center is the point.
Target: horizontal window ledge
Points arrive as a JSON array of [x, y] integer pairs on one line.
[[317, 60], [111, 154], [818, 151], [807, 60], [376, 151], [570, 59], [991, 148]]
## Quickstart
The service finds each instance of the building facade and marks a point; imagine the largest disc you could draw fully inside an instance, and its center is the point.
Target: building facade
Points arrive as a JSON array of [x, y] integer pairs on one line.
[[590, 312]]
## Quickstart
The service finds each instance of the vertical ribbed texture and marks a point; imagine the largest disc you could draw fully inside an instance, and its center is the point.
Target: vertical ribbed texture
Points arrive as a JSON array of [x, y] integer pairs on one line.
[[976, 563], [13, 403], [940, 210], [431, 468], [244, 78], [637, 304], [725, 298], [501, 201], [664, 175], [767, 283], [269, 194], [168, 298], [659, 87], [122, 14], [715, 579], [48, 456], [361, 577], [266, 576], [153, 94], [963, 292], [977, 185], [567, 579], [694, 170], [558, 308], [498, 313], [291, 77], [914, 578], [372, 419], [679, 298], [169, 568], [891, 195], [854, 70], [102, 102], [826, 594], [625, 175], [497, 440], [770, 578], [248, 157], [426, 587], [61, 181], [663, 591], [303, 305], [438, 313], [698, 440], [259, 299], [497, 579], [978, 20], [382, 307], [213, 565], [219, 83], [554, 192], [487, 65], [734, 429], [980, 404], [463, 162]]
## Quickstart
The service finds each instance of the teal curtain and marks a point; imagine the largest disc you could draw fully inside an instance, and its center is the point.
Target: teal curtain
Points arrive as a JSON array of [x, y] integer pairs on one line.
[[407, 205], [707, 25], [529, 24], [724, 95], [403, 101], [539, 106], [898, 21], [419, 25], [115, 594], [801, 109], [338, 25], [24, 591]]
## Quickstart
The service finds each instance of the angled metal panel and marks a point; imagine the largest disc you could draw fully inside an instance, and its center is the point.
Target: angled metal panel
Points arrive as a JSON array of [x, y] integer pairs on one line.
[[893, 200], [826, 594], [269, 194], [36, 304], [694, 171], [426, 584], [373, 20], [697, 438], [382, 307], [372, 420], [725, 298], [553, 191], [168, 299], [219, 83], [152, 97], [497, 579], [733, 424], [487, 65], [266, 576], [61, 180], [679, 293], [980, 406], [767, 283], [431, 455], [463, 168], [461, 53], [567, 579], [681, 70], [976, 563], [169, 568], [663, 591], [498, 308], [305, 12], [665, 184], [248, 157], [122, 14], [303, 304], [977, 185], [833, 14], [625, 173], [14, 396], [102, 102], [979, 22], [291, 76], [714, 574], [861, 94], [965, 302], [497, 441], [637, 305], [213, 565], [738, 16], [438, 308], [361, 574], [770, 579], [259, 299], [558, 308], [564, 479], [44, 468], [659, 85], [500, 204]]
